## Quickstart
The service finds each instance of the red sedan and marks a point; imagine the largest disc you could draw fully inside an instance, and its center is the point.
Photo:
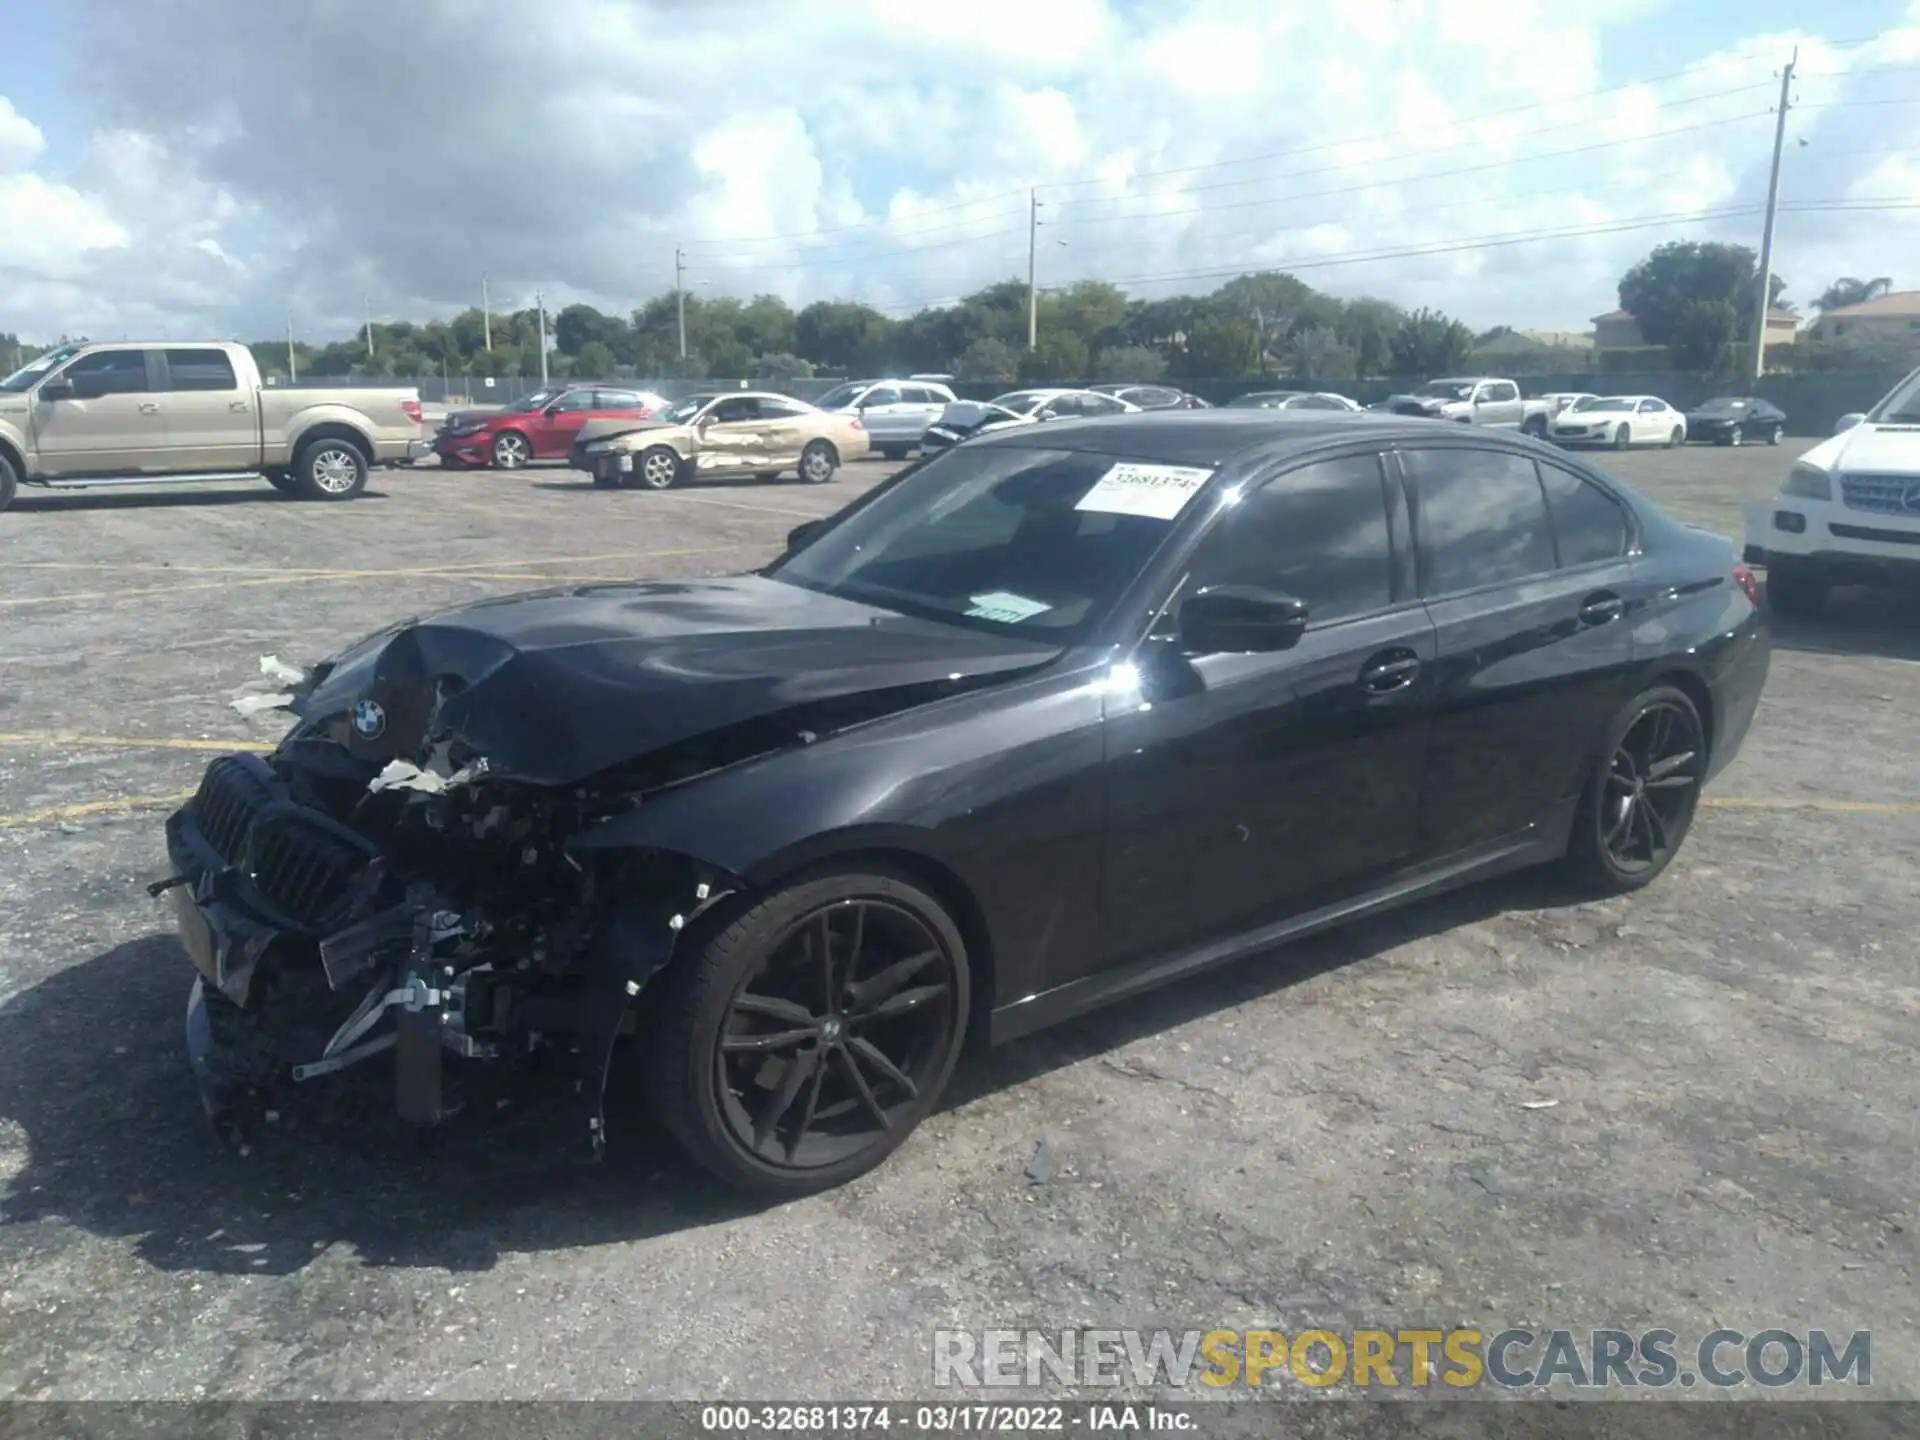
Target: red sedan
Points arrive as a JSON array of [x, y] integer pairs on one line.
[[542, 426]]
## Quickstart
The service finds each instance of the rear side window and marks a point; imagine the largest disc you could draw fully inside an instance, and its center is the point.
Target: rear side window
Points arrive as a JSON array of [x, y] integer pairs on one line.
[[200, 370], [1318, 533], [1590, 524], [1480, 519]]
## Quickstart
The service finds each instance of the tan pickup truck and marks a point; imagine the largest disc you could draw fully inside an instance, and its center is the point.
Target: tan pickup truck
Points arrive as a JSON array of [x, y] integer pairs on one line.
[[162, 412]]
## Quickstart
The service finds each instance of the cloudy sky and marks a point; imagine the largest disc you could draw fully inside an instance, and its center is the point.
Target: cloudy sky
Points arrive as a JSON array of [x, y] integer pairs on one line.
[[212, 167]]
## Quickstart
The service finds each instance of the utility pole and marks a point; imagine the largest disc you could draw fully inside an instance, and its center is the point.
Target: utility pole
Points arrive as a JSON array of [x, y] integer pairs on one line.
[[680, 296], [1033, 248], [486, 316], [540, 309], [293, 365], [1764, 304], [367, 305]]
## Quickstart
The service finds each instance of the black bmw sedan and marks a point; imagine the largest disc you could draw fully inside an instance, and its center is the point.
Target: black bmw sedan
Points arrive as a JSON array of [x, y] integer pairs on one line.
[[1737, 420], [1043, 721]]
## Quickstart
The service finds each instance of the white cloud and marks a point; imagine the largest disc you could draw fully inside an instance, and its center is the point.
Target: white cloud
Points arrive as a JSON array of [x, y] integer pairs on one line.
[[889, 146]]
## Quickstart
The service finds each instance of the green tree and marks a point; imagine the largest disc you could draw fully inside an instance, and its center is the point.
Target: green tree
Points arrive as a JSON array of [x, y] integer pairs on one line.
[[1061, 355], [1430, 343], [578, 326], [1367, 326], [1701, 333], [1849, 291], [781, 367], [1220, 347], [594, 361], [1271, 301], [1656, 290], [728, 359], [1320, 354], [839, 334], [988, 359], [1138, 363]]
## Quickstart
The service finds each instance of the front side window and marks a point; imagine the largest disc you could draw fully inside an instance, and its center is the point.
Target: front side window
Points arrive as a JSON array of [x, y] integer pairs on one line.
[[1480, 518], [735, 409], [1002, 538], [1318, 533], [1590, 524], [842, 395], [200, 370], [882, 395], [538, 400], [110, 372], [1647, 407], [576, 402]]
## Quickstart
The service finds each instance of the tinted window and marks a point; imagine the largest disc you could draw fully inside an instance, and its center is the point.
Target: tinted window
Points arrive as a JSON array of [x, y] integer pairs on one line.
[[1649, 406], [1101, 405], [1506, 390], [991, 537], [575, 401], [109, 372], [735, 408], [1481, 518], [1589, 523], [771, 409], [882, 395], [200, 370], [1317, 533], [617, 400]]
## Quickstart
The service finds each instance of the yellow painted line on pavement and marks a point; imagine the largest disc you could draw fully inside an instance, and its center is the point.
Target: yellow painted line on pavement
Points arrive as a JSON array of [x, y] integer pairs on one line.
[[478, 570], [53, 815], [1836, 807], [61, 739]]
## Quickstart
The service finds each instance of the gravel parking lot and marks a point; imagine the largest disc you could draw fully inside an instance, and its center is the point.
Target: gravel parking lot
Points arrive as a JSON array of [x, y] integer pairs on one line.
[[1337, 1135]]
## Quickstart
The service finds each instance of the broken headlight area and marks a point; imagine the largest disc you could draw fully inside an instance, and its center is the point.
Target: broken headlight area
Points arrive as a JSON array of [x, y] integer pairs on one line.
[[421, 929]]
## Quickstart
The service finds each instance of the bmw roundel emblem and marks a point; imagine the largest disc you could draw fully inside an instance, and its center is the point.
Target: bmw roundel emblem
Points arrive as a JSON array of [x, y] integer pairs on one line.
[[369, 720]]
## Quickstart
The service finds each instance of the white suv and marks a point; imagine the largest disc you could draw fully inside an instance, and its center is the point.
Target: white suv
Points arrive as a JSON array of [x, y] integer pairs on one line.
[[1849, 512], [895, 413]]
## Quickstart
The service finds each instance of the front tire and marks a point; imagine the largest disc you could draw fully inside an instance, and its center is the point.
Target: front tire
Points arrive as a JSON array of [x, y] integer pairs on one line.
[[804, 1036], [1796, 591], [1536, 426], [1776, 434], [1623, 437], [1642, 795], [330, 470], [9, 482], [1735, 436], [818, 462], [1677, 438], [657, 469], [511, 450]]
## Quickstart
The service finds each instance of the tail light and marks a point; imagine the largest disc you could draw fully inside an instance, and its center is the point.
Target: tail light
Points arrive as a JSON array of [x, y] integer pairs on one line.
[[411, 409], [1743, 577], [856, 425]]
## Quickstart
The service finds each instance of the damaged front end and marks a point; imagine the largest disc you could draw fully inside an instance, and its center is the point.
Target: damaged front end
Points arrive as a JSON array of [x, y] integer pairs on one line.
[[337, 909]]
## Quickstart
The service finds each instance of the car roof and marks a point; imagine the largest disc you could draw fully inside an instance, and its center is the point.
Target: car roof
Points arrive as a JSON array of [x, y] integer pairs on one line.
[[1211, 437]]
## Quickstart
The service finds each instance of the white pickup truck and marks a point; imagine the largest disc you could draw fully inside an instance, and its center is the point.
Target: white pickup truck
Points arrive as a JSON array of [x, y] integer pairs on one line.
[[162, 412], [1475, 400], [1848, 512]]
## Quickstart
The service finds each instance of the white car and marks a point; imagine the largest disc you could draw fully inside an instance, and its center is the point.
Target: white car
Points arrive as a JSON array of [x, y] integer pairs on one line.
[[1291, 400], [1849, 512], [894, 412], [1619, 421], [964, 418], [1558, 400]]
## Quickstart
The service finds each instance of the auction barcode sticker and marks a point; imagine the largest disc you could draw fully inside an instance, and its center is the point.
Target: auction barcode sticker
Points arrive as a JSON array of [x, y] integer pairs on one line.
[[1158, 492]]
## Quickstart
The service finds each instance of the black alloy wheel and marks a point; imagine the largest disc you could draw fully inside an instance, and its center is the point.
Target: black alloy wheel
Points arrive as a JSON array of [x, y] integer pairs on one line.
[[1623, 437], [1735, 436], [1641, 799], [803, 1042]]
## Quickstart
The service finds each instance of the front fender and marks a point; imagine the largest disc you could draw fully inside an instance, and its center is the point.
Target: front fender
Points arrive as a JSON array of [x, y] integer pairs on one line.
[[14, 438]]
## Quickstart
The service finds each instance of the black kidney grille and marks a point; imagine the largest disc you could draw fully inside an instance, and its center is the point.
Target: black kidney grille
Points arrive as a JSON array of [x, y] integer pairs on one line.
[[229, 794], [300, 869]]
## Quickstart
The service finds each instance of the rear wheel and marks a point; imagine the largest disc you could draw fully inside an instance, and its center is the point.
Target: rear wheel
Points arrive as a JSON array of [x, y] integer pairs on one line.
[[330, 470], [1796, 590], [818, 462], [894, 452], [657, 469], [1641, 798], [797, 1046], [1622, 437], [511, 450]]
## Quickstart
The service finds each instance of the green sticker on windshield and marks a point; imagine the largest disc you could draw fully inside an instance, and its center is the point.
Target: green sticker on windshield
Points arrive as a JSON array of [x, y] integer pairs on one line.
[[1005, 607]]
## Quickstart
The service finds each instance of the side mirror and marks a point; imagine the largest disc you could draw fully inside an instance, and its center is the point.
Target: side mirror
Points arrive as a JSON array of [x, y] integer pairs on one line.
[[1241, 619], [802, 536], [58, 388], [1845, 422]]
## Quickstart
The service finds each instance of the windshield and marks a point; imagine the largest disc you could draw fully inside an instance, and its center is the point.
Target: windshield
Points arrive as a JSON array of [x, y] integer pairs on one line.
[[1020, 402], [538, 400], [30, 373], [1721, 407], [682, 411], [1902, 406], [1446, 389], [841, 395], [1604, 402], [1002, 538]]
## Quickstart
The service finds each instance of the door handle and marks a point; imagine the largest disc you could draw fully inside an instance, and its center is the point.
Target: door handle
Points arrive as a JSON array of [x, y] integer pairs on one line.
[[1389, 671], [1602, 609], [239, 407], [149, 407]]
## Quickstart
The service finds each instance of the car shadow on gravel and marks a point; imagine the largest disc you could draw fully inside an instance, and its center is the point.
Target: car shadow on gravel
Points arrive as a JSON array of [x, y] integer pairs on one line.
[[94, 1074], [1857, 621]]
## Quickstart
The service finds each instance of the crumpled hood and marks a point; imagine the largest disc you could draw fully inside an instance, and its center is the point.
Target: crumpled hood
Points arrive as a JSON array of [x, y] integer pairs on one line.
[[469, 419], [1431, 403], [555, 686]]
